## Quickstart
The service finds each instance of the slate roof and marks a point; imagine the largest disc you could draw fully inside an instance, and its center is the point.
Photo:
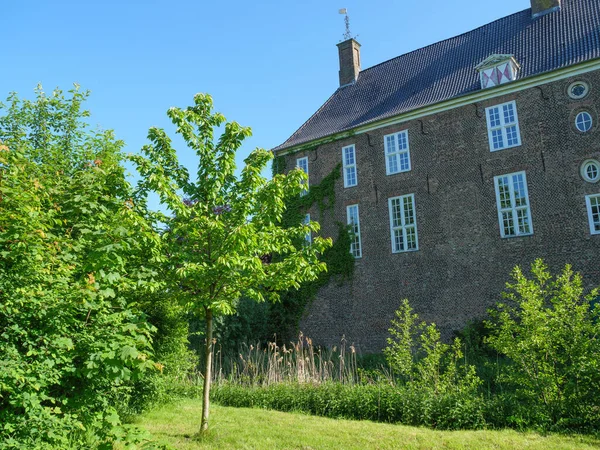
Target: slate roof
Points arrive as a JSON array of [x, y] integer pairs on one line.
[[446, 69]]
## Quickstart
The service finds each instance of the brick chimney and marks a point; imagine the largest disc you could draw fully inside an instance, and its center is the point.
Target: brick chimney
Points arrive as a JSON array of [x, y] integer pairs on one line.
[[349, 51], [541, 7]]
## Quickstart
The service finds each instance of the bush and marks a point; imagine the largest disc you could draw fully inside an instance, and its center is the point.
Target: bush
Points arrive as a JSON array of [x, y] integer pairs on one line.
[[174, 359], [551, 334], [425, 364], [75, 253]]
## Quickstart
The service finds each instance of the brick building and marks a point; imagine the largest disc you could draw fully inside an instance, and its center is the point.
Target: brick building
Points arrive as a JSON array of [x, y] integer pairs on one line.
[[460, 160]]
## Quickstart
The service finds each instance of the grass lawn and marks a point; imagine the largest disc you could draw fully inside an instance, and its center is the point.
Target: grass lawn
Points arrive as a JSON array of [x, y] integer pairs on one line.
[[241, 428]]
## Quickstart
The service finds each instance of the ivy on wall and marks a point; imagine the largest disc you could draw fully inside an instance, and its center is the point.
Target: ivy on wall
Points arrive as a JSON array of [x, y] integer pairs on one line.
[[284, 316]]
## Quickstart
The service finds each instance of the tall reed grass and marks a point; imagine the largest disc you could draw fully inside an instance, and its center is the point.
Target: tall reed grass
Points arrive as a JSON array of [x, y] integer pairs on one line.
[[300, 361]]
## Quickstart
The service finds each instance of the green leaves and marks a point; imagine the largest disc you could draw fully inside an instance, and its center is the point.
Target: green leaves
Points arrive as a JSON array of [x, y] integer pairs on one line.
[[218, 234], [75, 254], [415, 351], [223, 231], [64, 343], [401, 351], [549, 330]]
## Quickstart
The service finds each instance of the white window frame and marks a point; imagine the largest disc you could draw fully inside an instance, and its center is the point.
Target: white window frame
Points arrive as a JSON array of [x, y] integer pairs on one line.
[[356, 243], [588, 202], [307, 236], [503, 126], [585, 120], [349, 167], [396, 152], [584, 174], [404, 227], [513, 208], [302, 163]]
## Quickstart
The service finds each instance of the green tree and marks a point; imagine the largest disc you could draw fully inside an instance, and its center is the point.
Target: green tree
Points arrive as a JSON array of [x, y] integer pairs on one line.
[[75, 253], [223, 231], [551, 332]]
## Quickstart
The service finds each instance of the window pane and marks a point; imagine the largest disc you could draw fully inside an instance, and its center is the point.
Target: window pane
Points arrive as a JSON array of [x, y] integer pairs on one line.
[[350, 176], [504, 191], [349, 156], [411, 238], [507, 223], [591, 171], [595, 210], [494, 114], [408, 211], [349, 160], [503, 127], [397, 153], [583, 121], [353, 221], [513, 205], [509, 113], [302, 163], [308, 236], [393, 163], [403, 223], [519, 189], [402, 141], [497, 139], [352, 215], [512, 137], [404, 163], [523, 221], [396, 213], [391, 143], [398, 240]]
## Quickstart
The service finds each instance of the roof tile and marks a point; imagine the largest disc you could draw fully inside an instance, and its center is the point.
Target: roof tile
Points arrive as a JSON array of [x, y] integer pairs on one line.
[[446, 69]]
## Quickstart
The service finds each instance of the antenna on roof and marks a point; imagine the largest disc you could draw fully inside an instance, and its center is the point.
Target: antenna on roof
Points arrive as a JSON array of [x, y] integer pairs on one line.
[[347, 34]]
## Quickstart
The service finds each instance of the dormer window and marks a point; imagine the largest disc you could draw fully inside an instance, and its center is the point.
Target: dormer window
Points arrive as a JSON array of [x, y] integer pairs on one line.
[[497, 69]]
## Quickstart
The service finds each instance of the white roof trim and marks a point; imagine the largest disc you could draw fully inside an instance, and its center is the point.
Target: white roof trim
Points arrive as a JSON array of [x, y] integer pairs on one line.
[[494, 60]]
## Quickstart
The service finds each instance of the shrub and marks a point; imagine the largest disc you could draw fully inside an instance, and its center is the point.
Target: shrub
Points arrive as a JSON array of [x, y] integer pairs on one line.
[[74, 255], [551, 334], [173, 357], [415, 351]]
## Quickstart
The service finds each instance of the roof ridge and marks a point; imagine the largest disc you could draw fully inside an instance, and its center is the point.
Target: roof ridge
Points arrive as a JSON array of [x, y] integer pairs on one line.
[[445, 40]]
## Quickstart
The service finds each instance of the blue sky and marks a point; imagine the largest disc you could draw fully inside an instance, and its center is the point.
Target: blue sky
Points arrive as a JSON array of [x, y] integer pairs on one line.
[[268, 64]]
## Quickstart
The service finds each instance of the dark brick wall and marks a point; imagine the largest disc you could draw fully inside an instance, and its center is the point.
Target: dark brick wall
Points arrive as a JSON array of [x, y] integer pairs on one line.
[[462, 263]]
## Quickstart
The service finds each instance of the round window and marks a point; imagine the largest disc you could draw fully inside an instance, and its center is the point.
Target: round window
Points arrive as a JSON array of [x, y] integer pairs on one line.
[[590, 170], [583, 121], [578, 89]]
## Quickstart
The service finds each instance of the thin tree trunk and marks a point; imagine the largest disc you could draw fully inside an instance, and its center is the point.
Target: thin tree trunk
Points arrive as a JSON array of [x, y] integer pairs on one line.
[[207, 370]]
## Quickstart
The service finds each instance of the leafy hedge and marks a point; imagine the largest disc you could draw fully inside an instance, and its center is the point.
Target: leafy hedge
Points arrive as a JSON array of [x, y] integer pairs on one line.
[[381, 402]]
